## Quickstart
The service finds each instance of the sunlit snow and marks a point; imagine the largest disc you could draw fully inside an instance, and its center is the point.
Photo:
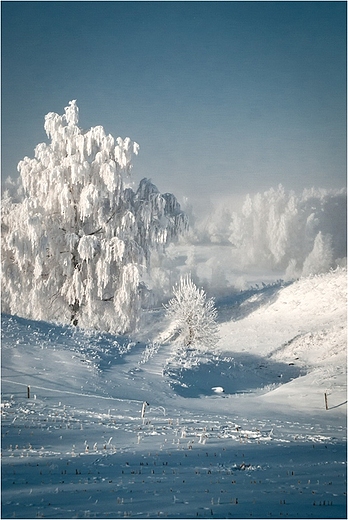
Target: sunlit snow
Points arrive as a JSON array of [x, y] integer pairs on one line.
[[265, 447]]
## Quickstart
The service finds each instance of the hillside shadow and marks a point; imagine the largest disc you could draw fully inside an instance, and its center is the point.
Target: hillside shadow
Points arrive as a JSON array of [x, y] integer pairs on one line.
[[239, 305], [244, 373], [102, 349]]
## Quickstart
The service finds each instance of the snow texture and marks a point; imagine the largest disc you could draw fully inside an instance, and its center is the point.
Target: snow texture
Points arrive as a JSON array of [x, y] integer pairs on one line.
[[265, 447]]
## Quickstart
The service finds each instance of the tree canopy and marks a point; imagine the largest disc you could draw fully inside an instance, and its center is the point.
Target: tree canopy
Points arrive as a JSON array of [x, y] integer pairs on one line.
[[77, 244]]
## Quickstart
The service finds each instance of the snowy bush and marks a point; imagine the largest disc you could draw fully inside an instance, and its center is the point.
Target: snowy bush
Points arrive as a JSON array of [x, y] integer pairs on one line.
[[192, 316], [77, 242], [150, 350]]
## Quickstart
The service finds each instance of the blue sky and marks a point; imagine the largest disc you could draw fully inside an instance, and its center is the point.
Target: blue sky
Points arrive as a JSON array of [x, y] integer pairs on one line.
[[224, 98]]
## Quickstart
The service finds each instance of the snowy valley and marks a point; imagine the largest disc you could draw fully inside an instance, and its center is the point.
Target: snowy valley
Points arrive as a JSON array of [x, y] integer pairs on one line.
[[238, 432]]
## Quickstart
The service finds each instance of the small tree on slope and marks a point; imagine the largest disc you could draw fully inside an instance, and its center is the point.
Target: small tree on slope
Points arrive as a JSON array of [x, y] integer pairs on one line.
[[193, 316], [77, 245]]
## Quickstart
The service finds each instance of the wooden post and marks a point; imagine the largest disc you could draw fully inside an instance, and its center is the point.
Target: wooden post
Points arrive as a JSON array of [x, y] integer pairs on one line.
[[143, 408], [28, 390], [326, 405]]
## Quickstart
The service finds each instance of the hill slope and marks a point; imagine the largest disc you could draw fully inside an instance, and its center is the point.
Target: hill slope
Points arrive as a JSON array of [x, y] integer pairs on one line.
[[304, 326]]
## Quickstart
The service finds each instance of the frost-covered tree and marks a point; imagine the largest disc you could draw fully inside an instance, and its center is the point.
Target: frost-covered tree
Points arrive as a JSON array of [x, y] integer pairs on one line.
[[280, 230], [77, 240], [320, 259], [193, 316]]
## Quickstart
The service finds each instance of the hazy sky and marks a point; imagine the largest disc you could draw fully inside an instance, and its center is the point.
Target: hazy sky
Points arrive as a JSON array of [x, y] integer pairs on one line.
[[223, 97]]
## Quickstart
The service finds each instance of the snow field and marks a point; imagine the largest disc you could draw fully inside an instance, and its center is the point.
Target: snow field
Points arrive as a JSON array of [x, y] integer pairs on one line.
[[266, 447], [64, 462]]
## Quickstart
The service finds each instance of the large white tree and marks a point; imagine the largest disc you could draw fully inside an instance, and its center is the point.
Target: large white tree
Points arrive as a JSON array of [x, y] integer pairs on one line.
[[77, 243]]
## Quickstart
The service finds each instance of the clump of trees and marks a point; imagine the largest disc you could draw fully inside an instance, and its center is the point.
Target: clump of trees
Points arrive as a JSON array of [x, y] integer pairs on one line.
[[77, 240], [303, 234], [299, 234]]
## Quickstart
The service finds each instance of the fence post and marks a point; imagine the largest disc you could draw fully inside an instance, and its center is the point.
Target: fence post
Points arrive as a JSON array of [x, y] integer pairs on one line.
[[143, 408], [326, 405]]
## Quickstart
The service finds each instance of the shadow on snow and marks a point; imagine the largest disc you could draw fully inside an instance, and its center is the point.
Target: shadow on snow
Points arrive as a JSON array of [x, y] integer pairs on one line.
[[242, 373], [104, 349]]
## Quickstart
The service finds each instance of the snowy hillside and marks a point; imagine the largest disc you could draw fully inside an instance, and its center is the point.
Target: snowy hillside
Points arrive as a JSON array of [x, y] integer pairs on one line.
[[242, 432], [303, 325]]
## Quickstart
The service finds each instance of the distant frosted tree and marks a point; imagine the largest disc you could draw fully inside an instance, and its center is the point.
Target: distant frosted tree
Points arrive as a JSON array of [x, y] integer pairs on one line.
[[320, 259], [280, 230], [193, 316], [78, 243]]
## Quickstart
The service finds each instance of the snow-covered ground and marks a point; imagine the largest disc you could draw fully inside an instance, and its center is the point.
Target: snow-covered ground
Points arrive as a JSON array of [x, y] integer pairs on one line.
[[240, 433]]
